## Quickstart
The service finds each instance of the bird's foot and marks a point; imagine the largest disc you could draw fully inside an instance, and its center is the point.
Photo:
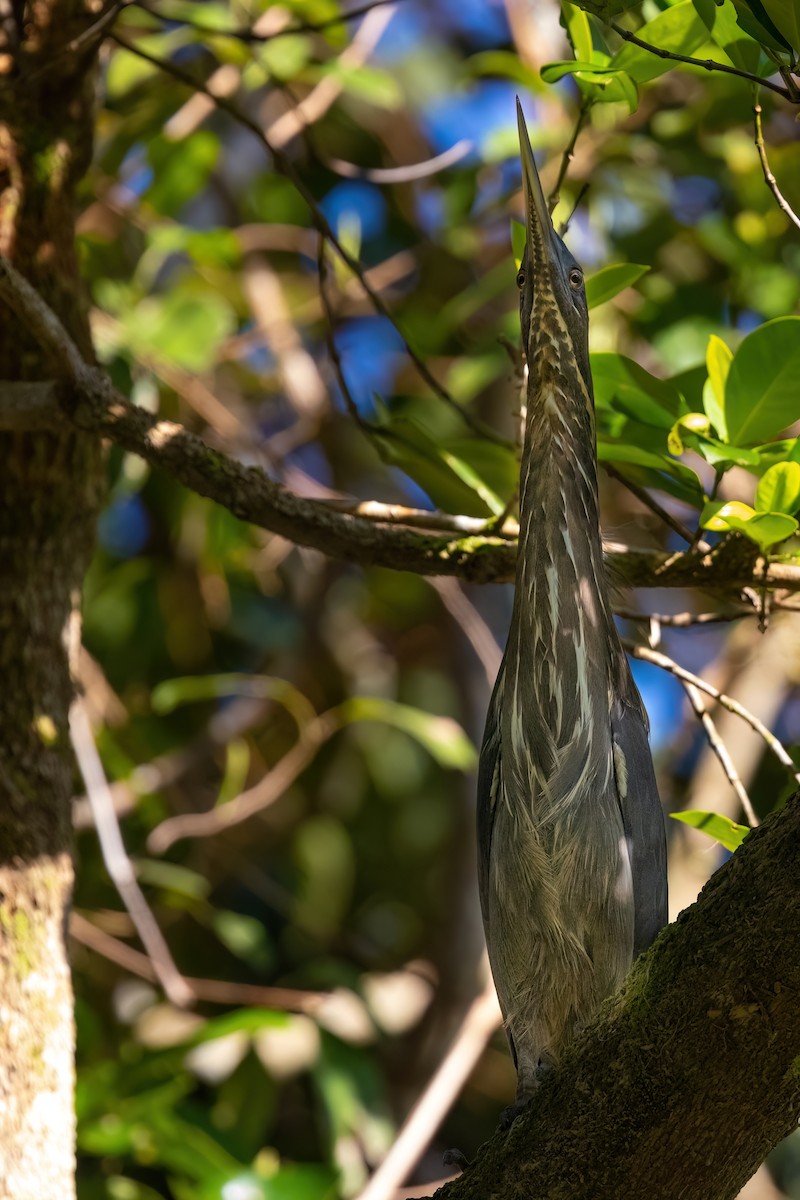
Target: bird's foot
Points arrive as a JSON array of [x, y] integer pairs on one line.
[[457, 1159], [510, 1114]]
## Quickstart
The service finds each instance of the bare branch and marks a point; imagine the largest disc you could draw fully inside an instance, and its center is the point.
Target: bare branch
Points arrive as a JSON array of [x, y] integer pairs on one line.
[[644, 497], [408, 173], [117, 862], [720, 750], [270, 788], [480, 1022], [93, 405], [769, 178], [646, 654], [213, 991]]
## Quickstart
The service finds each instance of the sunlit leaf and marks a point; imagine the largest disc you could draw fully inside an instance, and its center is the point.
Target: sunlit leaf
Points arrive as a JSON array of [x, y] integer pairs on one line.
[[778, 489], [600, 83], [610, 281], [688, 423], [678, 29], [579, 31], [718, 361], [761, 394], [722, 829], [766, 529], [189, 689], [442, 737]]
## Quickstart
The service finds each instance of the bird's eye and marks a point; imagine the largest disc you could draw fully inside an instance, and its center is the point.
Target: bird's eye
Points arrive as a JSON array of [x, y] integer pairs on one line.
[[520, 279], [576, 277]]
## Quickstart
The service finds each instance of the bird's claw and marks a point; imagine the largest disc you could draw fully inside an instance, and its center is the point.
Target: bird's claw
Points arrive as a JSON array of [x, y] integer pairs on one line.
[[457, 1159]]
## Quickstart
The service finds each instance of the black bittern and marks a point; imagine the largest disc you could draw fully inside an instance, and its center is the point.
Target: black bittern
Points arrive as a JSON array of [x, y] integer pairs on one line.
[[572, 856]]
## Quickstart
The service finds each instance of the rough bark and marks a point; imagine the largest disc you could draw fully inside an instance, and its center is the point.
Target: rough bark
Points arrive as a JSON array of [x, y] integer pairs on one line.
[[49, 488], [691, 1073]]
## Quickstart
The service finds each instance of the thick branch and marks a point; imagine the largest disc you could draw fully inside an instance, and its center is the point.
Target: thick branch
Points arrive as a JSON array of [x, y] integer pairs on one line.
[[89, 401], [689, 1075]]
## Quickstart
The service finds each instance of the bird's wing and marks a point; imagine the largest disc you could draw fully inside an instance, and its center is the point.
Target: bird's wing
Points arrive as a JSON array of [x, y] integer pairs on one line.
[[642, 816], [488, 783]]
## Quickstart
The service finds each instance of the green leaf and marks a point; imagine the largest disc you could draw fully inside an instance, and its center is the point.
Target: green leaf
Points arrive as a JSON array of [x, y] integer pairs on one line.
[[716, 514], [766, 529], [722, 23], [754, 17], [785, 15], [723, 454], [602, 84], [679, 29], [654, 470], [442, 737], [579, 31], [181, 169], [761, 393], [688, 423], [450, 483], [182, 327], [718, 361], [189, 689], [373, 84], [722, 829], [610, 281], [778, 489], [622, 383]]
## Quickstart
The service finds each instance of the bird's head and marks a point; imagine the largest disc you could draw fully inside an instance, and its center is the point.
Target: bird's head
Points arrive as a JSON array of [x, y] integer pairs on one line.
[[553, 312]]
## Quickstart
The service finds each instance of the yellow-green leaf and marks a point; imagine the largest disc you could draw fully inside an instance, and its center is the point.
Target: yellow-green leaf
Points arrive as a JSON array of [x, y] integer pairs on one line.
[[718, 361], [778, 489], [722, 829]]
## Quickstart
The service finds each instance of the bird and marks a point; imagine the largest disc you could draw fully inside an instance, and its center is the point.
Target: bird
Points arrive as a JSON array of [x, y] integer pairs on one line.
[[571, 833]]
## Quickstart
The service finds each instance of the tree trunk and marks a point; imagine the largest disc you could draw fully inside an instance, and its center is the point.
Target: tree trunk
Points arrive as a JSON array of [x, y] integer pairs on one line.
[[49, 490], [691, 1073]]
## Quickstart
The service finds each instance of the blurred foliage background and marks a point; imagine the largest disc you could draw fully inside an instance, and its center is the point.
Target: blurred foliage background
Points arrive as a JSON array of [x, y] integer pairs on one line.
[[323, 719]]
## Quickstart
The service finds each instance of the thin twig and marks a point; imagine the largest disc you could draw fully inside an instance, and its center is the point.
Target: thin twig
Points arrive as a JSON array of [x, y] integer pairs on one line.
[[248, 35], [720, 750], [683, 620], [769, 178], [406, 174], [568, 155], [472, 624], [657, 509], [584, 188], [284, 165], [422, 518], [270, 788], [480, 1022], [773, 743], [117, 862], [708, 64], [213, 991]]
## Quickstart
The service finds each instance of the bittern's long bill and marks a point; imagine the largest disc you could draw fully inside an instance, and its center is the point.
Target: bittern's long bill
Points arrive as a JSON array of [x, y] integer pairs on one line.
[[572, 857]]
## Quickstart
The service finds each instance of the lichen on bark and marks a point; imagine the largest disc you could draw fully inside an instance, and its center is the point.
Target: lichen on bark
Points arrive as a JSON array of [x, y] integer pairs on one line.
[[50, 484]]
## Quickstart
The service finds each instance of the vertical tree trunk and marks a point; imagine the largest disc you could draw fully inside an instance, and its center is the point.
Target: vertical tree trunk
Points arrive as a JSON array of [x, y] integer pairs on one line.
[[49, 490]]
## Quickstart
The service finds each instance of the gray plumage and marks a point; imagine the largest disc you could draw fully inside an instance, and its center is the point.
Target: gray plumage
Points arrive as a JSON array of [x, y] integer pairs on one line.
[[572, 858]]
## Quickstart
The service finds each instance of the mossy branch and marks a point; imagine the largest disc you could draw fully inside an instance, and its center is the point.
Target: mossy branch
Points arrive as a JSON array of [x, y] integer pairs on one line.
[[87, 400]]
